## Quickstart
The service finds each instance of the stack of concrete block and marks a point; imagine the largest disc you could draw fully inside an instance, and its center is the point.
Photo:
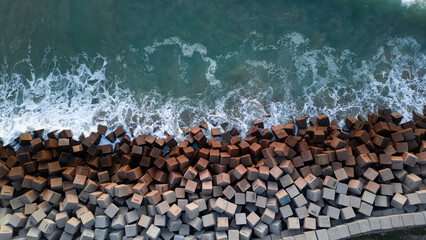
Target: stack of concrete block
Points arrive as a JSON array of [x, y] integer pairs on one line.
[[294, 177]]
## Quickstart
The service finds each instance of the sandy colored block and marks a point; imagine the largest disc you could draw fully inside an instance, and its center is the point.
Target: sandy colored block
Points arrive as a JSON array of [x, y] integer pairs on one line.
[[54, 168], [409, 159], [370, 174], [18, 220], [37, 216], [39, 183], [16, 173], [61, 219], [341, 175], [174, 212], [355, 187], [398, 201], [145, 221], [190, 186], [412, 181], [386, 174], [47, 226], [222, 224], [6, 192], [79, 181], [240, 219], [190, 173], [293, 223], [268, 216], [220, 205]]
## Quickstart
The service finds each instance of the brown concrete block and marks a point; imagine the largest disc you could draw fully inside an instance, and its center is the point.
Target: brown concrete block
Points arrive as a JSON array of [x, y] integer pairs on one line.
[[401, 147], [39, 183], [79, 181], [190, 173], [255, 149]]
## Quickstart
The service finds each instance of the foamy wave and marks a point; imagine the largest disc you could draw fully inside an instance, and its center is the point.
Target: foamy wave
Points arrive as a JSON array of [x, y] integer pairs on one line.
[[306, 81], [409, 3]]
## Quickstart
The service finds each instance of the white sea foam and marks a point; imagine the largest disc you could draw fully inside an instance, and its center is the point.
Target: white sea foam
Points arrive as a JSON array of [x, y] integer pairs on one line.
[[409, 3], [324, 81]]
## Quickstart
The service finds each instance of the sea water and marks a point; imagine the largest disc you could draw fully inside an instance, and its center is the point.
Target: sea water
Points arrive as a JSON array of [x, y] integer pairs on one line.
[[158, 66]]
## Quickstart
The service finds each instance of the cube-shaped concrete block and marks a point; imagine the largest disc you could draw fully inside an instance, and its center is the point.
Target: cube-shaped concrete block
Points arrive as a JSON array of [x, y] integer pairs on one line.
[[192, 210], [293, 223], [347, 213], [328, 193], [286, 211], [355, 187], [398, 201], [323, 221], [252, 219], [209, 220]]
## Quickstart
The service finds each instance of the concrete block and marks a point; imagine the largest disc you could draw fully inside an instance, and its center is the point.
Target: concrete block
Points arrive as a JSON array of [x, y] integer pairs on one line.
[[301, 212], [314, 209], [407, 220], [240, 219], [252, 219], [375, 223], [222, 224], [368, 197], [347, 213], [332, 212], [354, 229], [209, 220], [111, 210], [343, 231], [398, 201], [385, 223], [309, 223], [153, 232], [419, 219], [370, 174], [293, 223], [286, 211], [333, 233], [323, 221], [355, 187], [396, 221], [145, 221], [328, 193], [322, 234], [268, 216], [300, 200], [365, 209], [283, 197]]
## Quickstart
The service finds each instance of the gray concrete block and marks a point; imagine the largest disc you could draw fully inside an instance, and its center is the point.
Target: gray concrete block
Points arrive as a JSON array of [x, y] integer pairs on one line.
[[343, 231], [322, 234], [396, 221], [354, 229], [408, 220], [364, 225], [385, 223], [333, 233]]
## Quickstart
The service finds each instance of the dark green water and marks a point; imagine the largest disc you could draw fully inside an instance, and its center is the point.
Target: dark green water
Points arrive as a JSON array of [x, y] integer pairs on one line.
[[149, 64]]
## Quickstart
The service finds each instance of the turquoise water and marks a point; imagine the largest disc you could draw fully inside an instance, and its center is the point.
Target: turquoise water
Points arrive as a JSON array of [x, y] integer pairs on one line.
[[158, 66]]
